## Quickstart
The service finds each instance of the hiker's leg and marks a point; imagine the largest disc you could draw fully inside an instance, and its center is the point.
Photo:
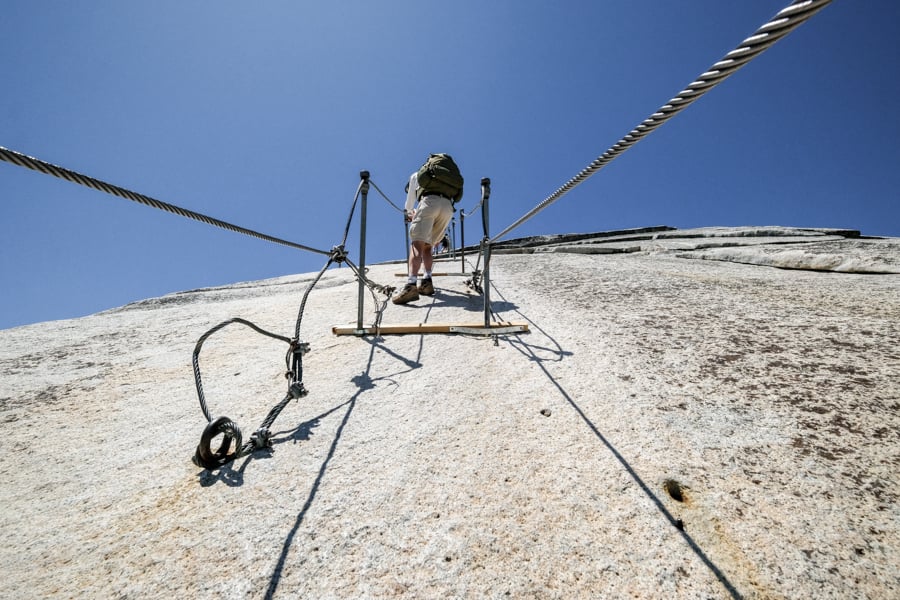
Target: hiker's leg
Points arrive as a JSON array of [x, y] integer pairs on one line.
[[443, 212], [425, 286], [420, 252], [427, 227], [427, 258]]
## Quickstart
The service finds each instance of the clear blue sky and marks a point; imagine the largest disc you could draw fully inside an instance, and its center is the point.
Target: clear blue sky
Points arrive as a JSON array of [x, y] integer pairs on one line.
[[263, 114]]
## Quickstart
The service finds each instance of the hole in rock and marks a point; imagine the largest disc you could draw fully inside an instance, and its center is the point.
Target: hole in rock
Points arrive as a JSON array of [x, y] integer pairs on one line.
[[674, 489]]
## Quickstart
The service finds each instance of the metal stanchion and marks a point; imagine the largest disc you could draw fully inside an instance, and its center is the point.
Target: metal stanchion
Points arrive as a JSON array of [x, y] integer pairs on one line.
[[364, 192], [462, 241], [406, 233], [486, 248], [451, 249]]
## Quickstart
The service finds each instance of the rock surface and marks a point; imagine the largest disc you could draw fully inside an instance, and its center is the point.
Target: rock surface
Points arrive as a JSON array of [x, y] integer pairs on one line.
[[668, 428]]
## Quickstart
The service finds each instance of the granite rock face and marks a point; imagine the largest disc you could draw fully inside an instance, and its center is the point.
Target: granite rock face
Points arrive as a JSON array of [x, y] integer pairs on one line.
[[838, 250], [669, 427]]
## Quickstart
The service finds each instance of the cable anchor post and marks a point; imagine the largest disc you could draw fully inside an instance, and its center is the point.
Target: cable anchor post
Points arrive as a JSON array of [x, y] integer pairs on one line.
[[486, 248], [451, 251], [364, 193], [462, 241], [485, 275]]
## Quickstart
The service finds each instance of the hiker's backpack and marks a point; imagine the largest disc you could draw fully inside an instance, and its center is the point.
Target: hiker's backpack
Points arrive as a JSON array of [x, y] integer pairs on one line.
[[440, 175]]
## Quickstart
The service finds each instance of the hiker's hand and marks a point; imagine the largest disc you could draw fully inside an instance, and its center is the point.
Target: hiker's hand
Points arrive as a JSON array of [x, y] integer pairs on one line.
[[408, 215]]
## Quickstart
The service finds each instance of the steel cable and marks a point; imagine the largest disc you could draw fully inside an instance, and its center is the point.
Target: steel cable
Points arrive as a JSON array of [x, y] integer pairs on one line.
[[295, 388], [261, 438], [352, 210], [474, 208], [383, 195], [35, 164], [306, 296], [779, 26], [195, 361]]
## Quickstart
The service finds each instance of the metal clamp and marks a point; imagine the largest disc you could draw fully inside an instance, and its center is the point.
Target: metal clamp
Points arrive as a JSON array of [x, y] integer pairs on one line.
[[338, 254], [261, 438]]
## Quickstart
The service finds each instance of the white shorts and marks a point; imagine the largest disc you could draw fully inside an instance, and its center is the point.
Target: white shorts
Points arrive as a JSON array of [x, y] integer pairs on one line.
[[431, 220]]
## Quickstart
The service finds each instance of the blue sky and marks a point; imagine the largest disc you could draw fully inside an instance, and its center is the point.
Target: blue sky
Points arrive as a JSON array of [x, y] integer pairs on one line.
[[262, 114]]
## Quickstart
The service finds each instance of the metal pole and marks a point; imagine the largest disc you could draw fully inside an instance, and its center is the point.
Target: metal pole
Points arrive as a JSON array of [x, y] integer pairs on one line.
[[486, 248], [451, 251], [364, 192], [406, 232], [462, 241]]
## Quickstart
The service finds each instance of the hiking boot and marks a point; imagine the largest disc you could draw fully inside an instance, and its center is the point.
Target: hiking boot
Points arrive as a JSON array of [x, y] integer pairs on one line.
[[426, 288], [407, 294]]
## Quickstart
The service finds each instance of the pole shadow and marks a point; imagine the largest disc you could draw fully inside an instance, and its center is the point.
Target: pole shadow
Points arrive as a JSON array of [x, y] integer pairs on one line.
[[470, 302], [529, 352], [364, 382]]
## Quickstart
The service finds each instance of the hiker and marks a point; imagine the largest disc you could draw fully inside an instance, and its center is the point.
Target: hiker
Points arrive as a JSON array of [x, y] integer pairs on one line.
[[437, 186], [443, 246]]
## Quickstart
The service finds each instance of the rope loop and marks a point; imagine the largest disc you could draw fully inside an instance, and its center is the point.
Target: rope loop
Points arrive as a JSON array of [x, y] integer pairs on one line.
[[209, 459]]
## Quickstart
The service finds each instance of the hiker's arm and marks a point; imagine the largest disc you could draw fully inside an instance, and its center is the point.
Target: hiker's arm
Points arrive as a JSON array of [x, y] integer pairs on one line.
[[411, 194]]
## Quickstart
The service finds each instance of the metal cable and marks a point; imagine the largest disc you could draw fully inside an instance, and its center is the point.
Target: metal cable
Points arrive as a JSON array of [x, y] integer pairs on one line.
[[254, 442], [377, 189], [195, 361], [35, 164], [352, 211], [260, 438], [296, 352], [472, 212], [306, 295], [373, 287], [779, 26]]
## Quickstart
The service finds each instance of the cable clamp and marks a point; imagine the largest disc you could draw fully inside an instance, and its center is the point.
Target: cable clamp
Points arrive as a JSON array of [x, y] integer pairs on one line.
[[338, 254], [261, 438], [299, 348], [475, 282], [387, 290], [298, 390]]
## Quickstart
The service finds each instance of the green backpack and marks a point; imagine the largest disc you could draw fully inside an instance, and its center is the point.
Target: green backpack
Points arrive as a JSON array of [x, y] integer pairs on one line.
[[440, 175]]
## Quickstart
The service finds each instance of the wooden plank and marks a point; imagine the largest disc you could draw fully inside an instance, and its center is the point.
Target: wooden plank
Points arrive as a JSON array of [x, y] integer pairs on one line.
[[489, 330], [420, 328], [435, 274]]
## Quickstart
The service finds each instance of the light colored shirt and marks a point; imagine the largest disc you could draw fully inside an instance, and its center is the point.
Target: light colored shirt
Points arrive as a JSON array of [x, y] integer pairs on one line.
[[412, 192]]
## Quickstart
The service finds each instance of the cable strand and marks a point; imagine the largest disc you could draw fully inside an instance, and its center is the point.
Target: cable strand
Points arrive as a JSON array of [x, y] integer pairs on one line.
[[779, 26], [35, 164], [383, 195]]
